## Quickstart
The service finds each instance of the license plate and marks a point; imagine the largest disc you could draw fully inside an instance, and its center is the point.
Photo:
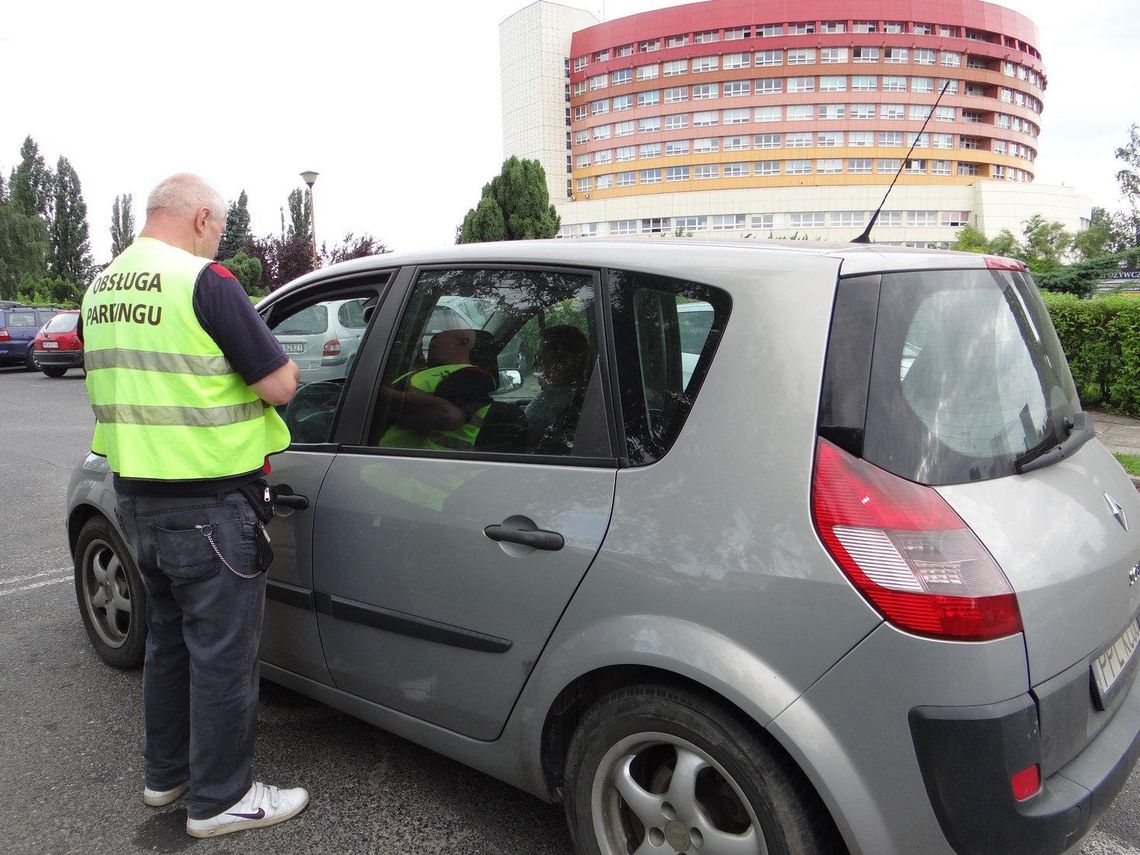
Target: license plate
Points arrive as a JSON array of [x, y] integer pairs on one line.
[[51, 345], [293, 347], [1111, 663]]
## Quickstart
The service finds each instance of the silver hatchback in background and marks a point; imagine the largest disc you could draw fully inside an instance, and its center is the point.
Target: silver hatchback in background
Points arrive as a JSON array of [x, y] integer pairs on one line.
[[323, 338], [803, 549]]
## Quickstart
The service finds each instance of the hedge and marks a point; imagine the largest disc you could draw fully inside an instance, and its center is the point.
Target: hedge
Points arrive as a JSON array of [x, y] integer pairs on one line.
[[1101, 338]]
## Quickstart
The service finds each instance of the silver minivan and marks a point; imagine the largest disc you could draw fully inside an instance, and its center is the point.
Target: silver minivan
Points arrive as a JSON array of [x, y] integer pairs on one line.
[[842, 569]]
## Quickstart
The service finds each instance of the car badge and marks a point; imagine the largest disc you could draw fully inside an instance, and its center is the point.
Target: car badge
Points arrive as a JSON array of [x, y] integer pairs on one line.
[[1117, 511]]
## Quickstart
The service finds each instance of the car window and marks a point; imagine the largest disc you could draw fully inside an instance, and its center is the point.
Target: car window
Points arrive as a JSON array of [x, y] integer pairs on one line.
[[666, 331], [325, 356], [23, 319], [44, 315], [64, 322], [511, 354]]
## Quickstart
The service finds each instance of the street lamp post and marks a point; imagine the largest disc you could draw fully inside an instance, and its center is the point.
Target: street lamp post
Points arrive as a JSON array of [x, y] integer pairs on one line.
[[310, 178]]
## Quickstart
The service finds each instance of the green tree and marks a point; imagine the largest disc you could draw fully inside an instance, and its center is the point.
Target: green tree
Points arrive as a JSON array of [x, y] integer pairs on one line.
[[24, 245], [970, 239], [248, 271], [70, 257], [514, 206], [352, 247], [237, 233], [300, 214], [1129, 178], [32, 184], [1005, 244], [1046, 245], [122, 224]]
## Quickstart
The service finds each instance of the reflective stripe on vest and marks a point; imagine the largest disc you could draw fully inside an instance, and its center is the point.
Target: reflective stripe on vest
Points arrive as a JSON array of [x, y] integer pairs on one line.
[[168, 404]]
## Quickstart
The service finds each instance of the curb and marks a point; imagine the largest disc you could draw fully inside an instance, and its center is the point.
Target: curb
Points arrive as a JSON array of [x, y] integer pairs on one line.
[[1135, 482]]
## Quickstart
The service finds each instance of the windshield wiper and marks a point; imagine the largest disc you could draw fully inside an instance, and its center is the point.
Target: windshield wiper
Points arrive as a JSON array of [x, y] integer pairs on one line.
[[1079, 430]]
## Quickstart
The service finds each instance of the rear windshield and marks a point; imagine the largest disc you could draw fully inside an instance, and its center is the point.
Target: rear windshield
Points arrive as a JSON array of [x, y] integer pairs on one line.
[[966, 375], [62, 323], [22, 318], [311, 320]]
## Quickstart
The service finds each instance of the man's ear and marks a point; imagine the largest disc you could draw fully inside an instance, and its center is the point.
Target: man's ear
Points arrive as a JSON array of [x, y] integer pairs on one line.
[[200, 217]]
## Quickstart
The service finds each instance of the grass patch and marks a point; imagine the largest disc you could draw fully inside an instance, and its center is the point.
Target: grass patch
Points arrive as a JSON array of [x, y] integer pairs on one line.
[[1130, 462]]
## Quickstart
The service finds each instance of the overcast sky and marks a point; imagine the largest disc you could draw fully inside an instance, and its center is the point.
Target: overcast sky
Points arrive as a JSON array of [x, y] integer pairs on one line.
[[395, 104]]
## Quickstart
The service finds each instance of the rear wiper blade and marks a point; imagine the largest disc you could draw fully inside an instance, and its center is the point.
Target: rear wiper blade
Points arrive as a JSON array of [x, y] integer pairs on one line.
[[1080, 431]]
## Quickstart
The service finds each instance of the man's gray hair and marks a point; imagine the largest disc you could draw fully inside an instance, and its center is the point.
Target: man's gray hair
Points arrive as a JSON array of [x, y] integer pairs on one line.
[[185, 192]]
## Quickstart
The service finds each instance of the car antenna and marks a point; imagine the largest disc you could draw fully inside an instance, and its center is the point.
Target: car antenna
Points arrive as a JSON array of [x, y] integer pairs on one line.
[[866, 236]]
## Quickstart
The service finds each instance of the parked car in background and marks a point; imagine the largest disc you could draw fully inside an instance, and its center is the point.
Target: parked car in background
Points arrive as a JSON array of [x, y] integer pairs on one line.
[[322, 339], [18, 326], [57, 346], [831, 561]]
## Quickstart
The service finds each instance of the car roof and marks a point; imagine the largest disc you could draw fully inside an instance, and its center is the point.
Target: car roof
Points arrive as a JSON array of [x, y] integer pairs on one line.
[[679, 257]]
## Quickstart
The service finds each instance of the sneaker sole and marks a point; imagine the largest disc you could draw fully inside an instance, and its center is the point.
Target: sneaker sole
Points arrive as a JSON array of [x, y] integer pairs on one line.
[[163, 799], [243, 824]]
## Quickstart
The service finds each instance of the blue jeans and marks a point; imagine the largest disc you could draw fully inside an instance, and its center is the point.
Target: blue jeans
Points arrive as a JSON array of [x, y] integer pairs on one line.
[[200, 676]]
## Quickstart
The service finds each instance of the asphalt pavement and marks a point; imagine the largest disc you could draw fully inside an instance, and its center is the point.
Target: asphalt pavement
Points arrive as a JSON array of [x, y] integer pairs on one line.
[[70, 744]]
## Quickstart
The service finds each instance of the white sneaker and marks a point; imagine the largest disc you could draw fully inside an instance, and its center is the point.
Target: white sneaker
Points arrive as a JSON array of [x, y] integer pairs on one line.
[[260, 807], [159, 798]]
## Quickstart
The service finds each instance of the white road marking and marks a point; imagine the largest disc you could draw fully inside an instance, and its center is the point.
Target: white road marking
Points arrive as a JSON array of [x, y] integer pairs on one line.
[[35, 585], [17, 579]]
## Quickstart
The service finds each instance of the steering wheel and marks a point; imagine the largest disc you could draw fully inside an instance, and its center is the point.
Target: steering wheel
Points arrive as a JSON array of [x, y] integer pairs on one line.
[[309, 415]]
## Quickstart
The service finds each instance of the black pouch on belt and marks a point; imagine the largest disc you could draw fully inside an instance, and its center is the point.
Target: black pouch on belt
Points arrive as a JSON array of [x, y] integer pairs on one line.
[[260, 497]]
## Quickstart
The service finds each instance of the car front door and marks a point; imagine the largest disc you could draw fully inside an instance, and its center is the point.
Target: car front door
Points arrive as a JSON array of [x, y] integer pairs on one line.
[[443, 556]]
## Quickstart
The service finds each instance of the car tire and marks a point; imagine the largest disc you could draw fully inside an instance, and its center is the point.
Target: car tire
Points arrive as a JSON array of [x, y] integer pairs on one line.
[[109, 590], [735, 792], [30, 362], [53, 370]]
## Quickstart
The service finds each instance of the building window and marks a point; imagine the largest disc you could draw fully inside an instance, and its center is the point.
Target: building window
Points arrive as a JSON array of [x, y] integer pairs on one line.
[[862, 111], [677, 94], [737, 143], [691, 224], [944, 114], [600, 108], [939, 167], [623, 129], [580, 62], [999, 147], [829, 139], [767, 140], [676, 122], [887, 165], [833, 55], [806, 219], [626, 179], [737, 34], [579, 88], [972, 116], [972, 143], [706, 119], [769, 85], [602, 56], [625, 152], [866, 54], [767, 30], [892, 111], [649, 98], [915, 166], [801, 56], [923, 56], [833, 27], [889, 219], [942, 141], [763, 221], [950, 59], [833, 83], [832, 111], [727, 222], [702, 64], [649, 125], [649, 150], [865, 27], [705, 171], [921, 84], [860, 139], [679, 40], [893, 27], [647, 72], [603, 157], [581, 112], [677, 173], [768, 58], [848, 219], [920, 112], [766, 114], [650, 176], [798, 112], [922, 218], [623, 227], [605, 182], [859, 166], [583, 185], [599, 82], [797, 167], [625, 50], [893, 83], [706, 145], [675, 67], [674, 147], [621, 77], [737, 88], [735, 117], [766, 167], [951, 86], [707, 37], [798, 140], [801, 84], [967, 169], [581, 137], [736, 170], [655, 225], [890, 139], [583, 160], [829, 166], [649, 46], [897, 55], [918, 140], [737, 60], [805, 28], [622, 102], [864, 83]]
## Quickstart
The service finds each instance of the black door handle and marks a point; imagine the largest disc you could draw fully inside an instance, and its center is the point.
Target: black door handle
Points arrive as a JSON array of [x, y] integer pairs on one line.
[[539, 539], [284, 496]]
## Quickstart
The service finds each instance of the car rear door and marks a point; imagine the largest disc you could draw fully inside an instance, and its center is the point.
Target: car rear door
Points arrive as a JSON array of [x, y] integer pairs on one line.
[[440, 573]]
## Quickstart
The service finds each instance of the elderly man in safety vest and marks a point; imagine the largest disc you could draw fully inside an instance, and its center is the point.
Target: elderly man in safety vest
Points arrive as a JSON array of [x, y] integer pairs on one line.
[[183, 376], [451, 376]]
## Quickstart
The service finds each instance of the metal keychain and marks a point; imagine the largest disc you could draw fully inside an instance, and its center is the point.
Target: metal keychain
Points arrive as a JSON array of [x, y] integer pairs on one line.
[[208, 533]]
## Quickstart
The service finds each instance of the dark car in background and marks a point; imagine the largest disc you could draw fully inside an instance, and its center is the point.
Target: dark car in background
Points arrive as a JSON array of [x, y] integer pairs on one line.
[[57, 346], [18, 326]]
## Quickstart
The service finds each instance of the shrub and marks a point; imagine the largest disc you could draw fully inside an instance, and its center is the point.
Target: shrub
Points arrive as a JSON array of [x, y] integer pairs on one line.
[[1101, 339]]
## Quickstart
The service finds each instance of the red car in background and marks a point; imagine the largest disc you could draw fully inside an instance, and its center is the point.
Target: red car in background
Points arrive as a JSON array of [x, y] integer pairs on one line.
[[57, 346]]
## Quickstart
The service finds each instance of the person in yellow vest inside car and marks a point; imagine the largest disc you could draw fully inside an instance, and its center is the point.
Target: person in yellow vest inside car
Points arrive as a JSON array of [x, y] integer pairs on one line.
[[450, 375], [183, 377]]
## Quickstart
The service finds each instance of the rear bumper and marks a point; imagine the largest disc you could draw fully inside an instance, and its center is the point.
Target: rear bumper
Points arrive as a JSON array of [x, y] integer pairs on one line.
[[58, 358], [967, 755], [14, 351]]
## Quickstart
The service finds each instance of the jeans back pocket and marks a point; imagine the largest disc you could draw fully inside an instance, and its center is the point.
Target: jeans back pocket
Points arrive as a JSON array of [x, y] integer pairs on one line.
[[184, 555]]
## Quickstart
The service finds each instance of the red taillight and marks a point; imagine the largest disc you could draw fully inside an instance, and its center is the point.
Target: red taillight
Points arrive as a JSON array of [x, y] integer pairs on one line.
[[1025, 783], [332, 347], [997, 262], [4, 335], [908, 553], [70, 342]]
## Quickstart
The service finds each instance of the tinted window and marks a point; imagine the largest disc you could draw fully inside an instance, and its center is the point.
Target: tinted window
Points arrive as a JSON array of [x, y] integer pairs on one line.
[[351, 314], [65, 322], [664, 350], [513, 356], [23, 318], [967, 374]]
